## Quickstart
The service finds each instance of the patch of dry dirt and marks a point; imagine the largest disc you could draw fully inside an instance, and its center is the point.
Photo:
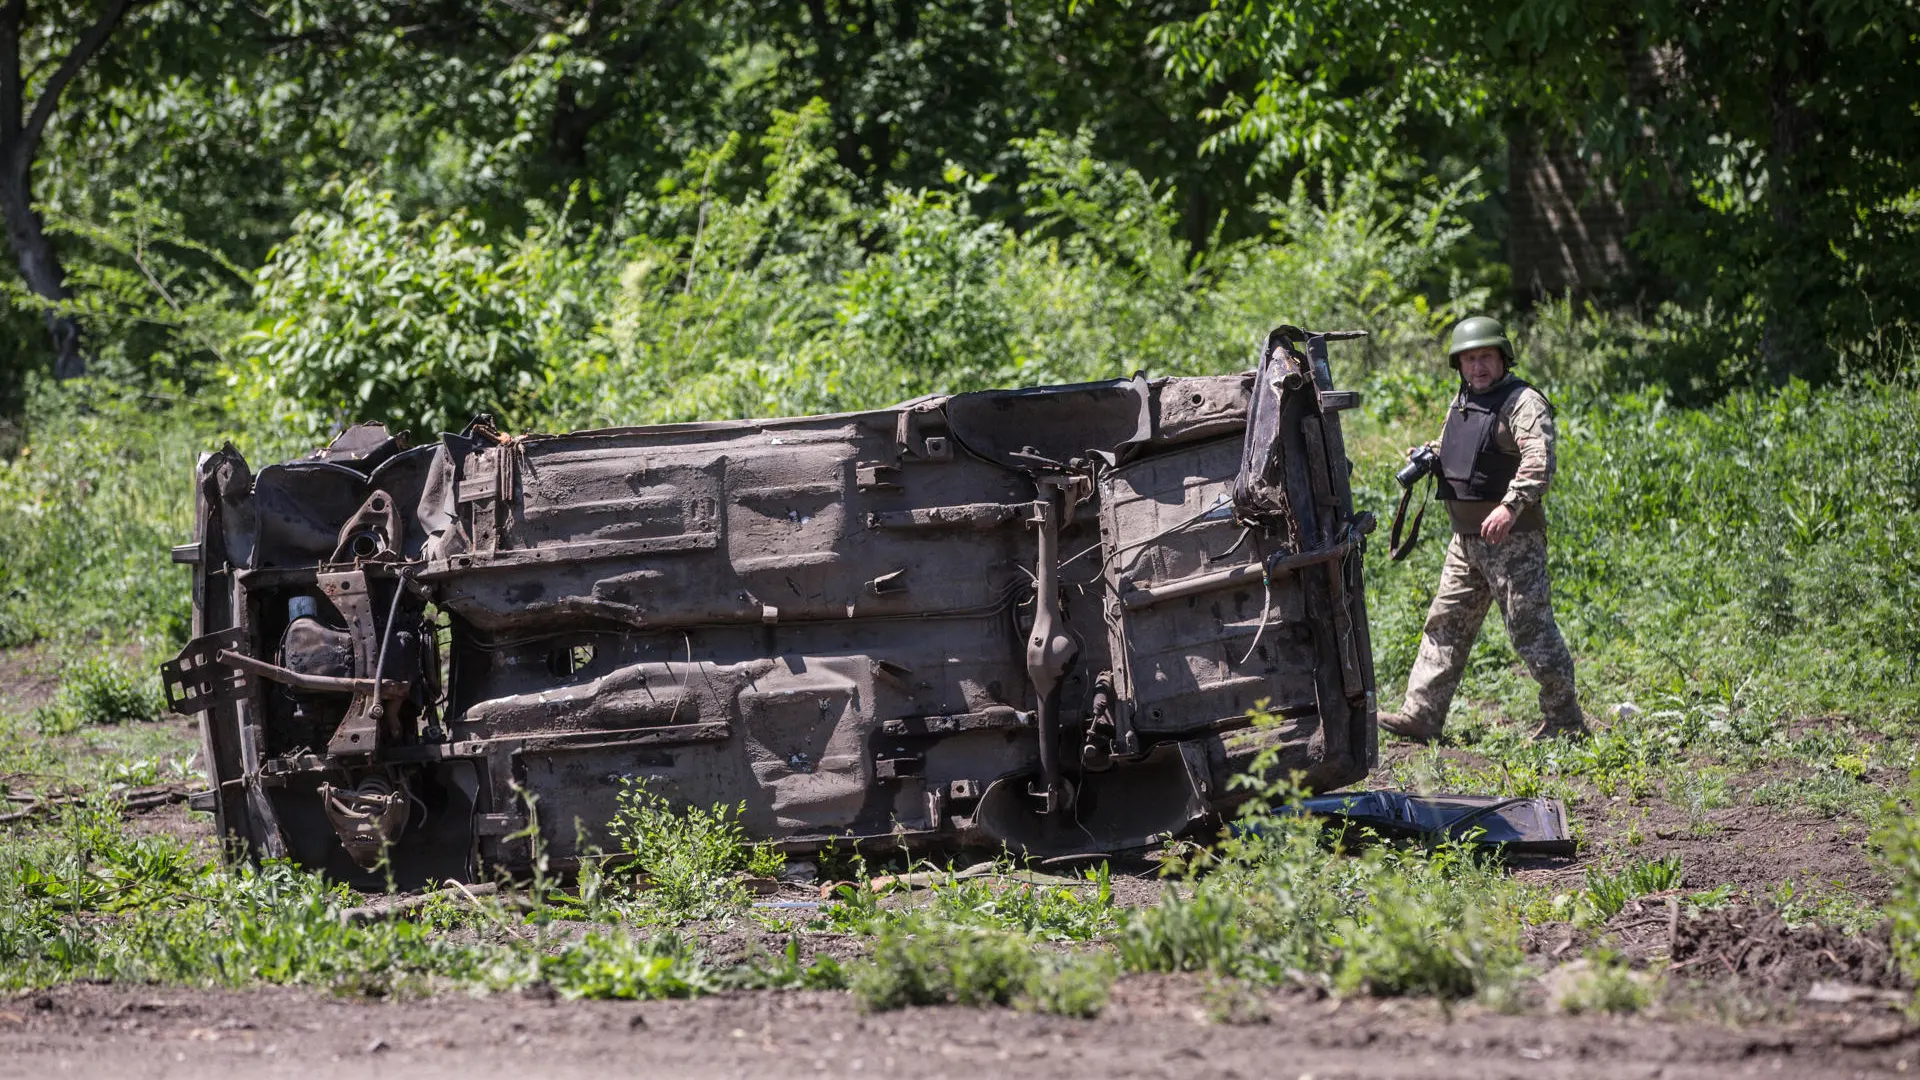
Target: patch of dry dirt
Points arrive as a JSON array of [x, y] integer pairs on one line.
[[29, 675], [1754, 848], [1756, 946], [1151, 1029]]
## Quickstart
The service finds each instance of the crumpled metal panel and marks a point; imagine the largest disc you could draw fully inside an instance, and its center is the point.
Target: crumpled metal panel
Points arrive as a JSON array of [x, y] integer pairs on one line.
[[1519, 826], [1034, 617]]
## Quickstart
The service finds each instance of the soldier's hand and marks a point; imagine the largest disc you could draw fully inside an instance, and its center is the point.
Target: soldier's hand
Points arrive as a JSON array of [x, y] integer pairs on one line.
[[1498, 525]]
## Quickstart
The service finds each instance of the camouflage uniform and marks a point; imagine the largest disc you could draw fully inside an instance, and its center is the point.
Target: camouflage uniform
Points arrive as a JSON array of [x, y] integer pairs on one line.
[[1512, 573]]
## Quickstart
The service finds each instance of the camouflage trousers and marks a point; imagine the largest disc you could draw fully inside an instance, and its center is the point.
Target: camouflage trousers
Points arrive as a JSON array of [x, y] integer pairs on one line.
[[1512, 573]]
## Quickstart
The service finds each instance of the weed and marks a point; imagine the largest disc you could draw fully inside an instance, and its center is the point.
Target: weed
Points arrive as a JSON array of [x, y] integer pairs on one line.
[[1408, 945], [925, 962], [1065, 984], [1712, 899], [1231, 1001], [1055, 913], [691, 860], [1606, 893], [1828, 793], [1825, 903], [618, 965], [1201, 932], [1896, 847], [1606, 983], [787, 971], [1279, 903], [99, 691]]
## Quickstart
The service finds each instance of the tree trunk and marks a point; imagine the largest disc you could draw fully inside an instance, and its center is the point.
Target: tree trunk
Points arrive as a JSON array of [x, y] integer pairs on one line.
[[40, 267], [1787, 349]]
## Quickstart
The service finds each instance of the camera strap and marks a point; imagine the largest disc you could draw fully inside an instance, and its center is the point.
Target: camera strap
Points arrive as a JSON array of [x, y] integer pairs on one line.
[[1398, 551]]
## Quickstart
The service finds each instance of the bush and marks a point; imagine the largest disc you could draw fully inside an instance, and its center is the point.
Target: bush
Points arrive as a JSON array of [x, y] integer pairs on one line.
[[1896, 850], [1282, 899], [1607, 893], [367, 315], [1180, 933], [99, 690], [764, 289]]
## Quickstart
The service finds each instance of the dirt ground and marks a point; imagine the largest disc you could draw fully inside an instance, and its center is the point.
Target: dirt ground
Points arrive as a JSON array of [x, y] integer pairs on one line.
[[1154, 1027], [1752, 847]]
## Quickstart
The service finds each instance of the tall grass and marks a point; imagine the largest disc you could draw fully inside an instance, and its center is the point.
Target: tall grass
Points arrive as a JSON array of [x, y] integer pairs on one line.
[[90, 503]]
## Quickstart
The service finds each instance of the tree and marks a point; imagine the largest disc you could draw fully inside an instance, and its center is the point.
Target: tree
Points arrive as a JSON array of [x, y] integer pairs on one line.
[[1778, 139], [24, 115]]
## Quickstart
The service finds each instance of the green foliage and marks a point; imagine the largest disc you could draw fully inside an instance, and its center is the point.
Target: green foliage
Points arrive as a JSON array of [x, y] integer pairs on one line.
[[85, 898], [158, 304], [928, 962], [366, 313], [1779, 211], [1278, 903], [621, 966], [1197, 932], [89, 507], [1607, 983], [1823, 903], [99, 690], [1001, 900], [1826, 793], [789, 971], [789, 295], [1608, 892], [689, 861]]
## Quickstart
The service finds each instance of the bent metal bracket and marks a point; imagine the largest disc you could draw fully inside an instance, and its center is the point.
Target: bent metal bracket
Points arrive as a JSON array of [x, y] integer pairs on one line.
[[1035, 618]]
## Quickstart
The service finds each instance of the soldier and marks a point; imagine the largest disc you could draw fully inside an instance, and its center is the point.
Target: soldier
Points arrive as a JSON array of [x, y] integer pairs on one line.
[[1496, 460]]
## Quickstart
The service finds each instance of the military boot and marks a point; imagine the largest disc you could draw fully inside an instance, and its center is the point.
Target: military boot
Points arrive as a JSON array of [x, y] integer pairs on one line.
[[1573, 729], [1409, 727]]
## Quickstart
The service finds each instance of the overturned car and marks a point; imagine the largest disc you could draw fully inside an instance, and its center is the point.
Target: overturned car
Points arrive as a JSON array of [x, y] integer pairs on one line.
[[1035, 618]]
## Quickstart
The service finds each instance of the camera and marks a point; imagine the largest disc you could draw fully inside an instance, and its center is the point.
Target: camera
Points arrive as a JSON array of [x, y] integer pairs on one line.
[[1421, 463]]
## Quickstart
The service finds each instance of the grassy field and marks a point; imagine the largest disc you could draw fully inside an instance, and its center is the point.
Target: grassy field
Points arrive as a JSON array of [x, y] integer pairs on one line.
[[1736, 582]]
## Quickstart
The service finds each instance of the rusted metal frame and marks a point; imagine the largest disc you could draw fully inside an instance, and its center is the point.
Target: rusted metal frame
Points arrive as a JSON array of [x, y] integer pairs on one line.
[[250, 713], [213, 592], [1304, 485], [1146, 595], [549, 554], [318, 684], [991, 719], [965, 515], [1050, 647], [348, 590], [1329, 511], [1350, 618]]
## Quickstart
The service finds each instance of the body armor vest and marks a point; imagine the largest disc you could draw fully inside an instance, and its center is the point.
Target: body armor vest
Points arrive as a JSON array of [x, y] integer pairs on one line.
[[1473, 467]]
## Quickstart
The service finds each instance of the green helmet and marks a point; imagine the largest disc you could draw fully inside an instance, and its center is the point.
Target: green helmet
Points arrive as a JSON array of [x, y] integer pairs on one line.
[[1478, 332]]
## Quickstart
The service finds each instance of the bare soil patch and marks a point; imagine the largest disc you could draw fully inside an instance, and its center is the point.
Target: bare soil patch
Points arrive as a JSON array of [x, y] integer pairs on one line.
[[29, 676], [1755, 945], [1152, 1028], [1754, 848]]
